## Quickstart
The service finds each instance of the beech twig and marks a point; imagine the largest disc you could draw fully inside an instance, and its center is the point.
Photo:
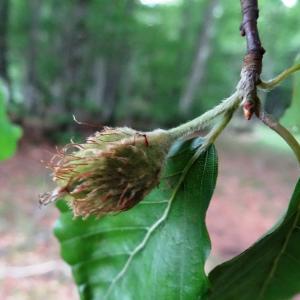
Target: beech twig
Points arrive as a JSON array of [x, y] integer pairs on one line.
[[228, 105], [252, 66]]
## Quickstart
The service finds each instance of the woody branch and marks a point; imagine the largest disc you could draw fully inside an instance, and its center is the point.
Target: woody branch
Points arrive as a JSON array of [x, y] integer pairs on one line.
[[252, 64]]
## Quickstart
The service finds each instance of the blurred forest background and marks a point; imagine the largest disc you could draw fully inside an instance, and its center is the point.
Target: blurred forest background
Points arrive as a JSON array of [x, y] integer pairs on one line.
[[144, 64], [113, 62]]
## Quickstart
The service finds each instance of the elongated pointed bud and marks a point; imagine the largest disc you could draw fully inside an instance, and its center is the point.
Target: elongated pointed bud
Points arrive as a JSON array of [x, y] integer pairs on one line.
[[111, 172], [248, 109]]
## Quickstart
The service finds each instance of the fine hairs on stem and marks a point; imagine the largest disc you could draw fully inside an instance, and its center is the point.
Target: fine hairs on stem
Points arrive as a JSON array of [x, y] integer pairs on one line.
[[246, 90], [227, 108], [227, 105]]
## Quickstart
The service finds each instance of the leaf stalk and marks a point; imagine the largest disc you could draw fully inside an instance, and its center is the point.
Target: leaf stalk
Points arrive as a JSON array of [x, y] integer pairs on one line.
[[225, 107], [282, 131], [270, 84]]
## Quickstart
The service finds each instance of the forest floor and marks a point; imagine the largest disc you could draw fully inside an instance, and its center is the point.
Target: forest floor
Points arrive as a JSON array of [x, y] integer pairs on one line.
[[254, 185]]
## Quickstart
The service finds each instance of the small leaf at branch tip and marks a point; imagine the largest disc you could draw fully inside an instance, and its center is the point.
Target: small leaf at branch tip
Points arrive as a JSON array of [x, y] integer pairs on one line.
[[111, 172]]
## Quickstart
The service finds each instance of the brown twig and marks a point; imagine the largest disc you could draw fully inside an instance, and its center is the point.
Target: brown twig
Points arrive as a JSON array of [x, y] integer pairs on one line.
[[252, 66]]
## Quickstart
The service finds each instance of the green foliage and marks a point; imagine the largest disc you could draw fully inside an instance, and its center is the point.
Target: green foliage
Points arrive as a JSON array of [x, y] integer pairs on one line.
[[270, 269], [157, 250], [9, 134]]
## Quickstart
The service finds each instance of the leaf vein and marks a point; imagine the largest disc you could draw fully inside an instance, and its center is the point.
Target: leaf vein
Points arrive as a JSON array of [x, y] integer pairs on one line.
[[164, 216]]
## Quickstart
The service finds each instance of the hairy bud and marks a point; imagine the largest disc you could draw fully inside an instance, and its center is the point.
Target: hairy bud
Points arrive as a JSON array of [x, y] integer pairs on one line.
[[111, 172]]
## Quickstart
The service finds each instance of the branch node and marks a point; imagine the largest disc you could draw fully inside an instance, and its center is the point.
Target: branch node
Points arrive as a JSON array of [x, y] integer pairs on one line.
[[252, 64]]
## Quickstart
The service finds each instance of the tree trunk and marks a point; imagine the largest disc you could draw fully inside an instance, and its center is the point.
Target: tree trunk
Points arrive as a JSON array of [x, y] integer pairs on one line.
[[4, 17], [96, 90], [31, 92], [74, 44], [111, 94], [116, 67], [198, 68], [187, 12]]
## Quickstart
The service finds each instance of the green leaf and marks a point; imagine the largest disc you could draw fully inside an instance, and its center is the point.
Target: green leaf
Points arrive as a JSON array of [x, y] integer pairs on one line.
[[9, 134], [157, 250], [270, 269]]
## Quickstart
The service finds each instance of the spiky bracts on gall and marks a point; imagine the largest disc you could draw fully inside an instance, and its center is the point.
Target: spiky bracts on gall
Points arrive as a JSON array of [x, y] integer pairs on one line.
[[111, 172]]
